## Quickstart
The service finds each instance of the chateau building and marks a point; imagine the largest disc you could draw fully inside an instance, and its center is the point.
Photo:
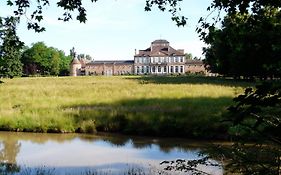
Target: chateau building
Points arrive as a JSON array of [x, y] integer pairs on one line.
[[159, 59]]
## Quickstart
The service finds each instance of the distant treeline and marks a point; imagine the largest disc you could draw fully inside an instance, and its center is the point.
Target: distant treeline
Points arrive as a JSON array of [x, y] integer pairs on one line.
[[43, 60]]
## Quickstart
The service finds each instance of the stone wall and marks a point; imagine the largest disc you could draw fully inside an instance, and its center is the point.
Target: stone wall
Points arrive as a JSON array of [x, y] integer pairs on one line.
[[109, 69], [195, 68]]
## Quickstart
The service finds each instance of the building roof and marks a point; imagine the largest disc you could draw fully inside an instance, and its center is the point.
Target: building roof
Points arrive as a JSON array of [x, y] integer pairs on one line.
[[160, 41], [112, 62], [189, 61], [160, 48]]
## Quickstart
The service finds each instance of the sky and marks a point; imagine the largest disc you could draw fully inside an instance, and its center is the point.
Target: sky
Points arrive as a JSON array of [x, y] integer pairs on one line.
[[115, 28]]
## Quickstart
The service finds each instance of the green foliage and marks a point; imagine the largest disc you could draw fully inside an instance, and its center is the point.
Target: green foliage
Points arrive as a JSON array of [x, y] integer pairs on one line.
[[35, 17], [256, 117], [64, 63], [87, 126], [10, 46], [259, 111], [188, 56], [241, 6], [83, 56], [189, 166], [43, 60], [168, 5], [247, 45]]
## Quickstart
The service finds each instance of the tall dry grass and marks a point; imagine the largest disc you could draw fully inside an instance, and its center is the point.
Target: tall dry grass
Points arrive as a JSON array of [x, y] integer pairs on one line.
[[183, 106]]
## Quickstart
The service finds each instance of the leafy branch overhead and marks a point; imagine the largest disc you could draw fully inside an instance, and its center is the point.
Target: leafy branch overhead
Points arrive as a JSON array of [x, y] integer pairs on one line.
[[233, 7], [72, 6], [171, 6]]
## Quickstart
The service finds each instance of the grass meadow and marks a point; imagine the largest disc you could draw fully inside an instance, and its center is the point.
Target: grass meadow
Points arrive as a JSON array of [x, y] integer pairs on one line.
[[183, 106]]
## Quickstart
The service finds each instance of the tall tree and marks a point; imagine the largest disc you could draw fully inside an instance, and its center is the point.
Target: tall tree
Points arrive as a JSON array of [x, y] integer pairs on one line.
[[88, 57], [256, 116], [188, 56], [43, 60], [64, 63], [10, 46], [247, 45], [54, 61]]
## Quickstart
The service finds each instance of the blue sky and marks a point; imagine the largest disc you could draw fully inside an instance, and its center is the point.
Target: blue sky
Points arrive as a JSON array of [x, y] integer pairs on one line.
[[115, 28]]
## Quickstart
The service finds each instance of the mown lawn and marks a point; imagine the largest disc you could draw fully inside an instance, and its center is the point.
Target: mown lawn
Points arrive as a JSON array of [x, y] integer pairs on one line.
[[165, 106]]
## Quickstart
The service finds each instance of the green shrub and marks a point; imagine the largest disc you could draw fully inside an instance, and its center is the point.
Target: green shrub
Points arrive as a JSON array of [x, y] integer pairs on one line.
[[87, 126]]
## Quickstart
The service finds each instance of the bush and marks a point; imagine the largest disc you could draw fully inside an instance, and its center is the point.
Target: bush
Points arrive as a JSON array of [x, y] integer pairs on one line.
[[87, 126]]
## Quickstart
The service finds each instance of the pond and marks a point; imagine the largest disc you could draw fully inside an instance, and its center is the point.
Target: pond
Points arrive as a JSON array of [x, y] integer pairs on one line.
[[37, 153]]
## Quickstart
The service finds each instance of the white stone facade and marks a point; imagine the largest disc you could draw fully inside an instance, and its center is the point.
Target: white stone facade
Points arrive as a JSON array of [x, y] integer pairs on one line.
[[159, 59]]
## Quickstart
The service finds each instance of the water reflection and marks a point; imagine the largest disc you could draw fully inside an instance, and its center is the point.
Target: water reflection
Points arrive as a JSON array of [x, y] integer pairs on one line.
[[9, 148], [72, 153]]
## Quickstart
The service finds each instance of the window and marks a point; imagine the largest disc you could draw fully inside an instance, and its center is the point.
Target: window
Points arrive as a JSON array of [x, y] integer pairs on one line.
[[181, 59], [176, 69], [145, 69], [177, 59], [181, 69], [153, 68], [136, 60], [145, 59], [138, 69], [142, 69], [165, 69], [166, 59], [171, 69], [159, 68]]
